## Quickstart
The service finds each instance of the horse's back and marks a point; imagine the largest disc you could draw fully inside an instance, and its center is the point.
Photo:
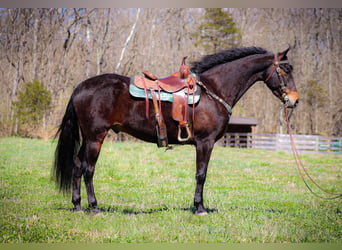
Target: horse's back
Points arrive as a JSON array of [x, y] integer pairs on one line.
[[103, 81]]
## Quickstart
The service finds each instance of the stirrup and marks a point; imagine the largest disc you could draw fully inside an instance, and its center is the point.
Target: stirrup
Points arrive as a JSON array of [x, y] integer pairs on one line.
[[180, 138]]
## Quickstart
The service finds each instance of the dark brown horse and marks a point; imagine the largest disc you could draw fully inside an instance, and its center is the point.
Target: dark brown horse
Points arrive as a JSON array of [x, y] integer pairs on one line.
[[104, 102]]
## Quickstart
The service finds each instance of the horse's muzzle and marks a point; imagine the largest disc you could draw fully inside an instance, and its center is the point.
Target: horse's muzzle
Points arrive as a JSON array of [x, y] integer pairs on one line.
[[293, 98]]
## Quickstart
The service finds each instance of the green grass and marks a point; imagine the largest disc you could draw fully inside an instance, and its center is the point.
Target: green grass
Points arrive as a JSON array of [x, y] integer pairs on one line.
[[146, 195]]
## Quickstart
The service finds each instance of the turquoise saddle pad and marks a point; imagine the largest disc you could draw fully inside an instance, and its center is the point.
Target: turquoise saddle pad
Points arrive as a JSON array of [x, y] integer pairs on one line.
[[164, 96]]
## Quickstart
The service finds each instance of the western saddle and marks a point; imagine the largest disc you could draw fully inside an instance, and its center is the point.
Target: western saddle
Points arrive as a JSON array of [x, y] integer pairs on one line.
[[181, 84]]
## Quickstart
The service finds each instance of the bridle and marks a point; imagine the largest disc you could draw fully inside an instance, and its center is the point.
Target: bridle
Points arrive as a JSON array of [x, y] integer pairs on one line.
[[277, 69]]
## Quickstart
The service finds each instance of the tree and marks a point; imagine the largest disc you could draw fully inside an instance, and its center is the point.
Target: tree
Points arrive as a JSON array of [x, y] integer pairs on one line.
[[32, 103], [218, 31], [315, 97], [127, 41]]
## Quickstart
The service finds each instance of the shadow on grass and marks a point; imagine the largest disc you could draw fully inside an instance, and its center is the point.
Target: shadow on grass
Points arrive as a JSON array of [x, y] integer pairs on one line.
[[252, 209], [116, 209], [135, 211]]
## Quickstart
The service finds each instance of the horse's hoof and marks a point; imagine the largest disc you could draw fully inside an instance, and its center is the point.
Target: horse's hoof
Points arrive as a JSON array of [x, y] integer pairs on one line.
[[77, 209], [204, 213], [96, 211]]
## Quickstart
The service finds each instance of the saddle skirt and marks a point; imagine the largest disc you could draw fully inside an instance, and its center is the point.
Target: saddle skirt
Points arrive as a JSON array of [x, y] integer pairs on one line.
[[139, 92]]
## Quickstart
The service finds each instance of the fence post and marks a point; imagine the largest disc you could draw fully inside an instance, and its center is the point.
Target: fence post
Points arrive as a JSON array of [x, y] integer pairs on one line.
[[277, 141], [317, 144]]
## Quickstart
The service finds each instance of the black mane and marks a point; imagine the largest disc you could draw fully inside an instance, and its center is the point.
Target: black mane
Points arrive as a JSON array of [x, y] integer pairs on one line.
[[224, 56]]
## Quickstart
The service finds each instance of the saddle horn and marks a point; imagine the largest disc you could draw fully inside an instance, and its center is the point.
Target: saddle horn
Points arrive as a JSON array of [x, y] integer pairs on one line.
[[184, 69]]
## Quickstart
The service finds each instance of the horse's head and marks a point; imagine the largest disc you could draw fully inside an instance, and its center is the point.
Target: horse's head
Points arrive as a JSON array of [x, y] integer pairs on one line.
[[280, 81]]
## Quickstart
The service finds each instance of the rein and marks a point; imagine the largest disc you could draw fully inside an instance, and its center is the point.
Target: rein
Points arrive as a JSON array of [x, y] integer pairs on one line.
[[299, 163], [300, 167]]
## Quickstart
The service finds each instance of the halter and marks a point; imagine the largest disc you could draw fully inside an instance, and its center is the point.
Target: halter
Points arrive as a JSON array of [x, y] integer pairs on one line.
[[276, 68]]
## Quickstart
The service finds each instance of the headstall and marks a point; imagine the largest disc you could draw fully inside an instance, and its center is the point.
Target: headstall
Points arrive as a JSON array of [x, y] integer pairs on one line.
[[276, 68]]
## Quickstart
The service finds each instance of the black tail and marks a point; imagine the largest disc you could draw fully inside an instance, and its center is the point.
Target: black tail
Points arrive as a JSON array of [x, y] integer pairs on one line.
[[67, 148]]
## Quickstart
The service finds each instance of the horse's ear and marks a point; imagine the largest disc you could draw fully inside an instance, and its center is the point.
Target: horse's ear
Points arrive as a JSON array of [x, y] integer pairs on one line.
[[282, 55]]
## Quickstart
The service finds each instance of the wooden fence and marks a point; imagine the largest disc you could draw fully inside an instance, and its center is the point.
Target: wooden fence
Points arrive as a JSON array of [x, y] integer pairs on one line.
[[281, 142]]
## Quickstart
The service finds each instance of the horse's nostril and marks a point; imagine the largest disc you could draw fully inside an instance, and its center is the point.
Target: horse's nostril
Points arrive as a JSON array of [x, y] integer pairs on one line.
[[296, 103]]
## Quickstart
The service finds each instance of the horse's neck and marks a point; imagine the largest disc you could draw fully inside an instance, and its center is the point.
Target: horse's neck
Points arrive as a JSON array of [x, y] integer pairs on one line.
[[232, 80]]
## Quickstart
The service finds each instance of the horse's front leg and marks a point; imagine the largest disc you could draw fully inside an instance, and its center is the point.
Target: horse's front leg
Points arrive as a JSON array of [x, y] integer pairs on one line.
[[203, 152]]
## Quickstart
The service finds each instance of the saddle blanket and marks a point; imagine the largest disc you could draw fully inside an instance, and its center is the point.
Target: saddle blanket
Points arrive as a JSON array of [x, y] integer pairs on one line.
[[164, 96]]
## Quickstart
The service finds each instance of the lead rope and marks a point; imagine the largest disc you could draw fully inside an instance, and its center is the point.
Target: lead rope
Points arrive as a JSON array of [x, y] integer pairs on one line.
[[299, 162]]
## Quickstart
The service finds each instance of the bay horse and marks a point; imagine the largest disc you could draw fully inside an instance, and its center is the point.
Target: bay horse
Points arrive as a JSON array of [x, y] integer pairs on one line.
[[103, 102]]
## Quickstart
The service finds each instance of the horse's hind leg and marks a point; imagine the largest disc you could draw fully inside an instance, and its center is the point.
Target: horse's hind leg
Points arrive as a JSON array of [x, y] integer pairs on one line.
[[92, 151], [77, 175], [85, 165]]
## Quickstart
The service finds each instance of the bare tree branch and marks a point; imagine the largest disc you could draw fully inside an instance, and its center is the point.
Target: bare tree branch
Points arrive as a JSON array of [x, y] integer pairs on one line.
[[127, 41]]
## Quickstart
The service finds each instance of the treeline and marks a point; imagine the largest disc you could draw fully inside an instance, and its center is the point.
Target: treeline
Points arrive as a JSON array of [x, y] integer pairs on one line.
[[59, 48]]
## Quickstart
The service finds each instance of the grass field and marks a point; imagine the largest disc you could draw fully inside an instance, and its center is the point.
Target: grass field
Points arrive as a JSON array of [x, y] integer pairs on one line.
[[146, 195]]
